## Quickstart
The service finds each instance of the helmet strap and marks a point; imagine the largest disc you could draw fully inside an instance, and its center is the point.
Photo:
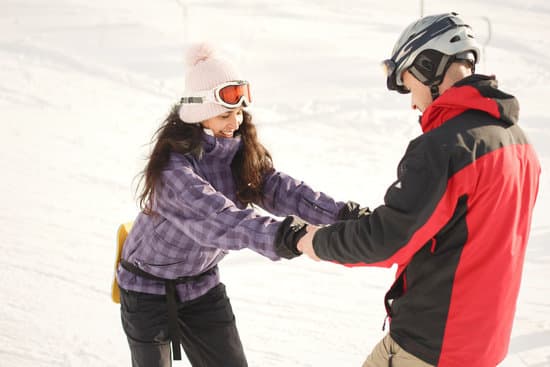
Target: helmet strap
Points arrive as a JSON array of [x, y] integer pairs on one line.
[[430, 68], [434, 90]]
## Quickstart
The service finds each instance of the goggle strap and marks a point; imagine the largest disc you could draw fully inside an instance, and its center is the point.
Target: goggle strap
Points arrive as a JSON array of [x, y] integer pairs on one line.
[[190, 100], [440, 62], [418, 75]]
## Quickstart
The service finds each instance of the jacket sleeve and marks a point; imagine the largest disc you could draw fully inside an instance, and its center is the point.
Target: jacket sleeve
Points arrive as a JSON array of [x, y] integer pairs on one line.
[[283, 195], [415, 208], [209, 218]]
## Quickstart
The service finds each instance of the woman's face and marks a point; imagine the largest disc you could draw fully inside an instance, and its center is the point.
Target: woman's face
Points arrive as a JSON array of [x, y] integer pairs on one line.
[[225, 125]]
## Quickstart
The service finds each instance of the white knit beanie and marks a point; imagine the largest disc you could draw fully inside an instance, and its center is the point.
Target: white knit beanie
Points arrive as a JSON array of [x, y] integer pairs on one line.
[[205, 69]]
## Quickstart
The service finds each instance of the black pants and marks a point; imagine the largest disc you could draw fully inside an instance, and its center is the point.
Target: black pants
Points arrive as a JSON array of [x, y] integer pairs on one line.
[[210, 337]]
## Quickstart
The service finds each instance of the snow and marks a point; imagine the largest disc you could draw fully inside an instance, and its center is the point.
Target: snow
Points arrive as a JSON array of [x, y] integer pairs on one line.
[[83, 85]]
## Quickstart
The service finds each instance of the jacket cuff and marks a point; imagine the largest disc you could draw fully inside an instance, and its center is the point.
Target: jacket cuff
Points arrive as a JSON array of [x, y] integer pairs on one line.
[[291, 230]]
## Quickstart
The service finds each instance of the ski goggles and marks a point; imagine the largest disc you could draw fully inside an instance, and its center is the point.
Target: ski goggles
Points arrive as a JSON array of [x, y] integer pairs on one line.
[[231, 95], [389, 67]]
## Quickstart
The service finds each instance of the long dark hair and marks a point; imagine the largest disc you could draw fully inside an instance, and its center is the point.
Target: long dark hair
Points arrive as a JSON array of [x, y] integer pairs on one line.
[[250, 165]]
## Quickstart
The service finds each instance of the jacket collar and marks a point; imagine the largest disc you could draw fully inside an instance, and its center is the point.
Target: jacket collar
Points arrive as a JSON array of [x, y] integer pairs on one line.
[[221, 150], [476, 92]]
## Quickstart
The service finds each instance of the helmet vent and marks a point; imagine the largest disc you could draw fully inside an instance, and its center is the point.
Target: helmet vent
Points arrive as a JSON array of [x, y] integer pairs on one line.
[[455, 39]]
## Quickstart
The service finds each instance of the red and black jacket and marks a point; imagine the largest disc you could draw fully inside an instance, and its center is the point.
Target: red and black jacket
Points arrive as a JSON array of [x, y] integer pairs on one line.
[[456, 222]]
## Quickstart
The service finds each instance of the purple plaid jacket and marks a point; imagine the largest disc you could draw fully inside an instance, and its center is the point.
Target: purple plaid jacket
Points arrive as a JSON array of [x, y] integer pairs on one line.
[[200, 219]]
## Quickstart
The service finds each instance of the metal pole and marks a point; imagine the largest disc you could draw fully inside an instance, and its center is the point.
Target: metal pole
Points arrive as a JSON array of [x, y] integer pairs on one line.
[[183, 5], [489, 35]]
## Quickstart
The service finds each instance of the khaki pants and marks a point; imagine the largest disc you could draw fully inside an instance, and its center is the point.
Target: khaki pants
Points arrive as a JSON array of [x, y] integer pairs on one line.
[[380, 355]]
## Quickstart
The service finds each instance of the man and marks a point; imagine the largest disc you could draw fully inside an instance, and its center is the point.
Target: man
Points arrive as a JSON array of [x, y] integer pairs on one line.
[[457, 219]]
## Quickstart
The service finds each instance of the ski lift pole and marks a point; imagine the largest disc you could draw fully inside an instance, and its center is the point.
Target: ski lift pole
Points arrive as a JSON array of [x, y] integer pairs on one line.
[[489, 35], [184, 11]]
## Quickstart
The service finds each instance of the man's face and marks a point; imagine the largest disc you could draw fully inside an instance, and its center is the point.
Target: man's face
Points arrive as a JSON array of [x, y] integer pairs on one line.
[[421, 97]]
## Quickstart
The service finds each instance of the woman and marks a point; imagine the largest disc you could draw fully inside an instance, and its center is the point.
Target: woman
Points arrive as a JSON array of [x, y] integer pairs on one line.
[[206, 169]]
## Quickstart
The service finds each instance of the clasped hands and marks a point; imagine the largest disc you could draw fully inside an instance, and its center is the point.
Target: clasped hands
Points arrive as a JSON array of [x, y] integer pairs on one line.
[[295, 236], [350, 210]]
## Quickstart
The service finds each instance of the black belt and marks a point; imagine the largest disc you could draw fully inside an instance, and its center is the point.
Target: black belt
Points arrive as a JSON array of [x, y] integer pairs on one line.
[[174, 331]]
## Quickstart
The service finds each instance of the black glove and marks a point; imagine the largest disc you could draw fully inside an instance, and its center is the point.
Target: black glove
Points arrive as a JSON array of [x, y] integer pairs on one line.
[[289, 233], [352, 210]]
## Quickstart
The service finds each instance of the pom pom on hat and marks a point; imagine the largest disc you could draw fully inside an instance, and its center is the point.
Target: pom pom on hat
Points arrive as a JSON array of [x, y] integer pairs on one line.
[[204, 70], [197, 53]]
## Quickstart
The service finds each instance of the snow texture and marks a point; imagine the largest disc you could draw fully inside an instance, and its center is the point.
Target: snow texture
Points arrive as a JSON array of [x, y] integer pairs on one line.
[[83, 86]]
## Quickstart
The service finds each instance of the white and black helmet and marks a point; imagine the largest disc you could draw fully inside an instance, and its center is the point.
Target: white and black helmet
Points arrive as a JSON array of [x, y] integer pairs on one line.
[[427, 48]]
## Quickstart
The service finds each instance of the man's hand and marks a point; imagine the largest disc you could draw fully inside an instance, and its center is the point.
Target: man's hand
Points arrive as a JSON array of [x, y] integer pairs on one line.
[[305, 244]]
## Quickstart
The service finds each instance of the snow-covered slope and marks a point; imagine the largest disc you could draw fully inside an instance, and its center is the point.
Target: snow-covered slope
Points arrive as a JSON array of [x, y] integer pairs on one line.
[[83, 85]]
